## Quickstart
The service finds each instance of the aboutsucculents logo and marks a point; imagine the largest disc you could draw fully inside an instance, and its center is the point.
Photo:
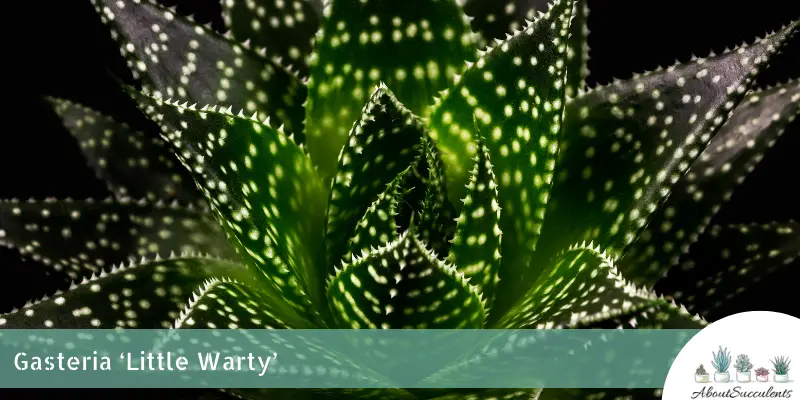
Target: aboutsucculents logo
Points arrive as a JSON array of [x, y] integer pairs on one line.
[[747, 355]]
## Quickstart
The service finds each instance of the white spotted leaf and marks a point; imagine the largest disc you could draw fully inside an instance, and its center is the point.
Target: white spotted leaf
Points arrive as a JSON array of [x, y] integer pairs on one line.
[[378, 227], [363, 43], [76, 238], [726, 260], [242, 310], [383, 142], [285, 28], [594, 394], [645, 133], [262, 187], [487, 394], [755, 125], [514, 96], [475, 250], [580, 284], [322, 394], [436, 225], [494, 19], [131, 162], [403, 285], [149, 294], [666, 314], [176, 58], [227, 304]]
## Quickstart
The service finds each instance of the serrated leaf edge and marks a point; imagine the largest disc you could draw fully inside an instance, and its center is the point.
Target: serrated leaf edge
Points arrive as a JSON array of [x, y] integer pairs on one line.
[[117, 269]]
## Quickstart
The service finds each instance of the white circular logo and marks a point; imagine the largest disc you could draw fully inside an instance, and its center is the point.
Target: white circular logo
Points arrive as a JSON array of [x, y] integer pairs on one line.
[[743, 356]]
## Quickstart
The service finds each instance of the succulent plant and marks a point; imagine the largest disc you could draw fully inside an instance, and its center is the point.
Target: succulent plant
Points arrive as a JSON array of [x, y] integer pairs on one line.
[[761, 371], [743, 363], [701, 370], [721, 360], [781, 365], [396, 176]]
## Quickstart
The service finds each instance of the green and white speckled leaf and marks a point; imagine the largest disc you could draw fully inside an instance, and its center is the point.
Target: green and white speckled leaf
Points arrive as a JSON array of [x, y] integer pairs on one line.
[[378, 227], [178, 59], [76, 238], [130, 162], [475, 250], [726, 260], [514, 95], [362, 43], [666, 314], [755, 125], [285, 28], [489, 394], [383, 143], [227, 304], [149, 294], [402, 285], [262, 187], [436, 225], [598, 394], [581, 284], [326, 394], [494, 19], [645, 133]]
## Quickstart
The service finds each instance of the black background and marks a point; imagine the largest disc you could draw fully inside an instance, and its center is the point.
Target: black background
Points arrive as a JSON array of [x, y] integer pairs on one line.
[[60, 48]]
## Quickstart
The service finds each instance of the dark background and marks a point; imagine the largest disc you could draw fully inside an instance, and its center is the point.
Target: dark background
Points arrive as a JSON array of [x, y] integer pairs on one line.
[[59, 47], [65, 51]]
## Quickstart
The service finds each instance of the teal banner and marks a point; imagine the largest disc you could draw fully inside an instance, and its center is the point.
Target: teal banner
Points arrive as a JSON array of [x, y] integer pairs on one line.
[[331, 358]]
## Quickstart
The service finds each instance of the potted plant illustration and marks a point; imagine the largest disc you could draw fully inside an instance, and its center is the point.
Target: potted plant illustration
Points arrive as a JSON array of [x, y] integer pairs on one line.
[[762, 374], [700, 374], [721, 362], [781, 368], [743, 367]]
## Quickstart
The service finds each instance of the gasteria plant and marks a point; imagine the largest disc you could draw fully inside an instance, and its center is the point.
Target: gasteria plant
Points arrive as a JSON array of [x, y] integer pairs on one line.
[[781, 365], [396, 176], [721, 360]]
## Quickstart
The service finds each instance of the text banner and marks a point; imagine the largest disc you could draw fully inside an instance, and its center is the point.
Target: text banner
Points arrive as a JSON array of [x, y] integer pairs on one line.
[[331, 358]]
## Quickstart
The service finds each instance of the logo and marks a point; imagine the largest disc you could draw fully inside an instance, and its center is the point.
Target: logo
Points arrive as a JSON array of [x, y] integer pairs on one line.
[[746, 355]]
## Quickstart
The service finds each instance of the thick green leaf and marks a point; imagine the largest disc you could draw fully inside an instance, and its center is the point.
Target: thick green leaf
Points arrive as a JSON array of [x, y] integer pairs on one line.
[[327, 394], [582, 284], [383, 143], [628, 143], [476, 246], [77, 238], [515, 96], [362, 43], [402, 285], [285, 28], [227, 304], [726, 260], [131, 162], [176, 58], [436, 225], [597, 394], [378, 227], [262, 187], [415, 189], [664, 315], [735, 150], [242, 311], [149, 294], [490, 394], [493, 19]]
